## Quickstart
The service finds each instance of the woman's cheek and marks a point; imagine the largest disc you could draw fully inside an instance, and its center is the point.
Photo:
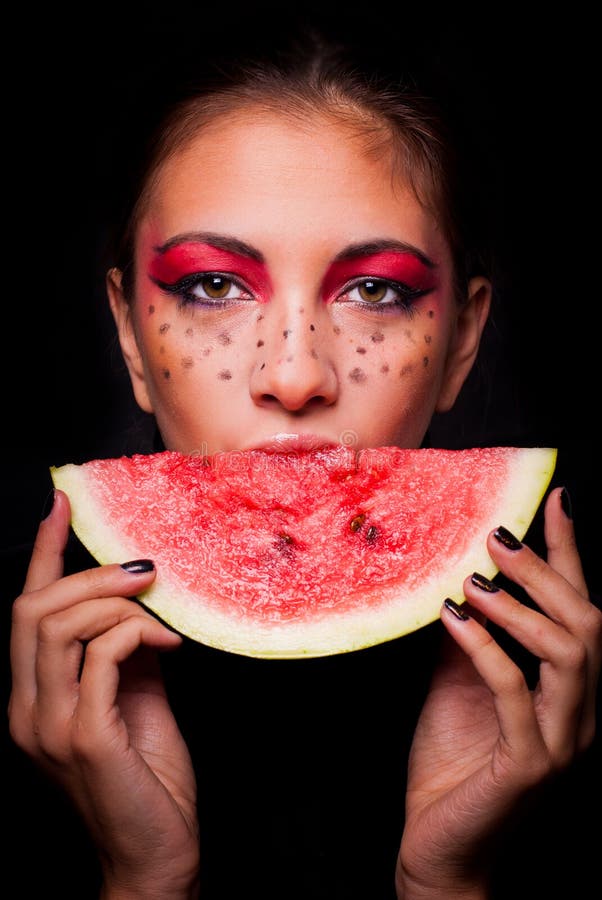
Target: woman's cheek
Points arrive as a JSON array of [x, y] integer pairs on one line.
[[180, 351], [406, 352]]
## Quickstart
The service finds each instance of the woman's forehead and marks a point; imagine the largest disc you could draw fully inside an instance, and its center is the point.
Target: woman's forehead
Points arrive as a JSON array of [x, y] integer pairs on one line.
[[263, 176]]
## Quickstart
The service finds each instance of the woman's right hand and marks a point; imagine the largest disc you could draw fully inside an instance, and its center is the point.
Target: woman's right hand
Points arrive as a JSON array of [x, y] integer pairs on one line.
[[88, 705]]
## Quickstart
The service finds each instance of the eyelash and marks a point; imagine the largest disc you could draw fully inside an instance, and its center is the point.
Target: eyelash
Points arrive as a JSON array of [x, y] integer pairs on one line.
[[406, 296], [183, 289]]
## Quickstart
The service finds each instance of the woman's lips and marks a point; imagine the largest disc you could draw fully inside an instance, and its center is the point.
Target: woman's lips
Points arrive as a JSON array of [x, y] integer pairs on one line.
[[292, 443]]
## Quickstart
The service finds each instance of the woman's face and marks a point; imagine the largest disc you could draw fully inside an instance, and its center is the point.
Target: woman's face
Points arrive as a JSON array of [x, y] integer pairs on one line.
[[291, 292]]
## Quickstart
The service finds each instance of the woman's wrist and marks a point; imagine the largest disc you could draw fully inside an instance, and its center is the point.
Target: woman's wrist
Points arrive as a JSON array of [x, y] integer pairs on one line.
[[158, 890], [114, 892], [412, 888]]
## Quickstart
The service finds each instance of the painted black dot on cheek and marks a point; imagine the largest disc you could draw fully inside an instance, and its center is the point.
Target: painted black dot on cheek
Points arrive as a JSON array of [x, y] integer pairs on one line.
[[361, 350], [314, 354], [224, 375], [427, 339], [425, 361], [286, 333], [189, 332], [357, 376], [224, 338], [166, 374], [384, 368], [262, 367], [406, 370], [312, 327], [301, 310], [378, 337], [259, 317], [336, 329], [151, 309], [206, 351], [164, 327], [187, 362], [260, 343], [431, 313]]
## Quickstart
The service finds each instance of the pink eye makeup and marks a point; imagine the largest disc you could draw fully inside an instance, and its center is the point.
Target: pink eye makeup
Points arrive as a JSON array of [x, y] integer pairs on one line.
[[201, 271], [380, 280]]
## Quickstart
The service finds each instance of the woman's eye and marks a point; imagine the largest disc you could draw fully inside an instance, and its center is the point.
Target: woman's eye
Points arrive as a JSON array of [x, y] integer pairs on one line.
[[207, 289], [380, 293], [217, 287], [372, 291]]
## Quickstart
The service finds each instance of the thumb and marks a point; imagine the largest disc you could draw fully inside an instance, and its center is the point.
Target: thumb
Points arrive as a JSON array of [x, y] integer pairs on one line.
[[46, 563]]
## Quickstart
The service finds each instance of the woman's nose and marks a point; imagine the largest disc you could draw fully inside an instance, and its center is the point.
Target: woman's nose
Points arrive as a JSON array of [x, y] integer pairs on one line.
[[293, 367]]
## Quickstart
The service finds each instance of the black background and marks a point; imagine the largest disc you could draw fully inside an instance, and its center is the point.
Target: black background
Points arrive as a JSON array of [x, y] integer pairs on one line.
[[71, 92]]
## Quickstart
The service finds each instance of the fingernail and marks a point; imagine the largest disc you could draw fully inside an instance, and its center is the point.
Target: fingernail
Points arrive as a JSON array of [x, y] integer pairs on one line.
[[567, 506], [483, 583], [455, 609], [506, 538], [138, 566], [48, 504]]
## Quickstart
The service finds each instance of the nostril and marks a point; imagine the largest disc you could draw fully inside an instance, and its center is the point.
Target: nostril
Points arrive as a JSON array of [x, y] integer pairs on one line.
[[304, 404]]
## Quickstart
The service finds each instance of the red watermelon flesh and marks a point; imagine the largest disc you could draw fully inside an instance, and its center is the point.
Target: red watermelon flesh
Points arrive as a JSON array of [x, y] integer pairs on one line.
[[304, 554]]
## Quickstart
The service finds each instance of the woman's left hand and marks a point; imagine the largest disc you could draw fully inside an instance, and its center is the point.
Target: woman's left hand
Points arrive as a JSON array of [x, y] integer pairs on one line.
[[484, 738]]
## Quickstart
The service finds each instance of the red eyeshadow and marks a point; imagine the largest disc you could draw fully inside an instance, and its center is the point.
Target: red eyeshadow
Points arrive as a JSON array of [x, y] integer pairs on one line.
[[404, 267], [191, 257]]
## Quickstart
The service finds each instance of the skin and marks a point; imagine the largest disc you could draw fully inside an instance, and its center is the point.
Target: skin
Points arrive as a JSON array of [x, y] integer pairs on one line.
[[358, 371], [286, 358]]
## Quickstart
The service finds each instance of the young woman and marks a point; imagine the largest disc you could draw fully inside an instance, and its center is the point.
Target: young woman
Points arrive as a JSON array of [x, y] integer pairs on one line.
[[297, 267]]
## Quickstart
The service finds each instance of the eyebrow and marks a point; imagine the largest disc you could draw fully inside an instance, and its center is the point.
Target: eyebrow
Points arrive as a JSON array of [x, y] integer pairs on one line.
[[235, 245], [369, 248], [220, 241]]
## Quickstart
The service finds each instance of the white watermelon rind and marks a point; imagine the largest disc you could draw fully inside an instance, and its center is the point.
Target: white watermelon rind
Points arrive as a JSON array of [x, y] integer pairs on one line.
[[392, 615]]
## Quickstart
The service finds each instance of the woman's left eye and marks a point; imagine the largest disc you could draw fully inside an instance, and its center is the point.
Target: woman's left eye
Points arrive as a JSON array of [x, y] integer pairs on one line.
[[377, 292]]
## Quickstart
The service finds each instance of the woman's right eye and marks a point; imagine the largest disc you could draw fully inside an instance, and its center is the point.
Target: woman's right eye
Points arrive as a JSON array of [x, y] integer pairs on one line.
[[207, 289]]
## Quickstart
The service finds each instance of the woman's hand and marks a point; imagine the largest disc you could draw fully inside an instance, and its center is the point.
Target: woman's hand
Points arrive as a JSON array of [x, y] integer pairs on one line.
[[484, 739], [88, 705]]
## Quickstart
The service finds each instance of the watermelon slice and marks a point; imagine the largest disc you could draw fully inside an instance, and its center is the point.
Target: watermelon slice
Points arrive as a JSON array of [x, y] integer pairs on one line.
[[304, 554]]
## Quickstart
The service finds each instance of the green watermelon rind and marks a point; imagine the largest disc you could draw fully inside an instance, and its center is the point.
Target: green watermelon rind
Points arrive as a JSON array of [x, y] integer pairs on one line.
[[392, 613]]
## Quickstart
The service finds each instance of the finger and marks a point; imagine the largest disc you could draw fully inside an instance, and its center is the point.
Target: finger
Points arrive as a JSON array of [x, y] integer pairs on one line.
[[61, 640], [31, 608], [100, 676], [518, 723], [550, 590], [563, 669], [563, 555], [46, 563], [560, 600]]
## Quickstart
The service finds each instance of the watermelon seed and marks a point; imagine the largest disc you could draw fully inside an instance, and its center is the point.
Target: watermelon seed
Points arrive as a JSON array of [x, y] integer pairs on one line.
[[371, 534], [357, 522], [284, 543]]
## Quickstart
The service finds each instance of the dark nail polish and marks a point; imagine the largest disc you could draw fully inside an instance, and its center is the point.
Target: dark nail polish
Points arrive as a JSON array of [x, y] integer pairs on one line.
[[456, 610], [48, 504], [567, 506], [138, 566], [506, 538], [484, 583]]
